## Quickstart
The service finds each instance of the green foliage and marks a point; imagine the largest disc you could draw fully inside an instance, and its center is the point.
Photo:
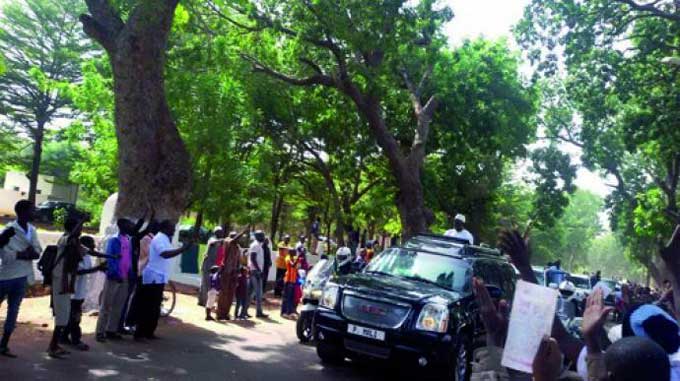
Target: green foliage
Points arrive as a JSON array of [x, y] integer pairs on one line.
[[59, 215], [569, 239], [606, 254], [42, 44], [554, 184], [97, 166], [485, 118]]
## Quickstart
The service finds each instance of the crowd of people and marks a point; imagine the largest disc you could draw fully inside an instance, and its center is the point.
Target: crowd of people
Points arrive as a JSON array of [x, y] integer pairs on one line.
[[647, 346], [136, 267]]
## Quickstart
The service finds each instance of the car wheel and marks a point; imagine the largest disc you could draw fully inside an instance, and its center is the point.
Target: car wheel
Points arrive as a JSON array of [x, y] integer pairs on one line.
[[461, 366], [304, 327], [329, 353]]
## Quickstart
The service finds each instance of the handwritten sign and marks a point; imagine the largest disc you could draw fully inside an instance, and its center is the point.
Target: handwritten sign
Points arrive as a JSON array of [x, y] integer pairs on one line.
[[532, 316]]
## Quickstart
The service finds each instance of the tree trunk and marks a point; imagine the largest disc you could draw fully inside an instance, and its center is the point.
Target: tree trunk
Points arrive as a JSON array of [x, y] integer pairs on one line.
[[197, 226], [154, 165], [410, 201], [277, 205], [406, 171], [35, 165]]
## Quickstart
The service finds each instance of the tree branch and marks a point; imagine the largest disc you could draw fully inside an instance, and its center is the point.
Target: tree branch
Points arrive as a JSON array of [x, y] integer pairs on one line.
[[367, 188], [103, 23], [318, 79], [230, 20], [650, 8], [311, 64]]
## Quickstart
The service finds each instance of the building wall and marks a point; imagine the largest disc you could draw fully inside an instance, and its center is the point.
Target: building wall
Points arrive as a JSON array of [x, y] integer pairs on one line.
[[16, 188]]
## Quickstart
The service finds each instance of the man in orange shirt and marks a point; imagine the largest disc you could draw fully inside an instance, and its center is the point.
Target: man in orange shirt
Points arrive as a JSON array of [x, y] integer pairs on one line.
[[283, 248]]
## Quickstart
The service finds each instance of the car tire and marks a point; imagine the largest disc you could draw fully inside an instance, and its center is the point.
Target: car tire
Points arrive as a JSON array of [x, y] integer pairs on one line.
[[460, 368], [305, 327], [329, 353]]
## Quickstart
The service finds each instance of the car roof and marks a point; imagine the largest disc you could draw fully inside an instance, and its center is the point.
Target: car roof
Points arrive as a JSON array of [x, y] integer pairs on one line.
[[439, 244]]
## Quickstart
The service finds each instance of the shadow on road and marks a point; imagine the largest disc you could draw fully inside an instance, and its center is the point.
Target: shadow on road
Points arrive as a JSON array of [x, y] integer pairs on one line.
[[189, 349]]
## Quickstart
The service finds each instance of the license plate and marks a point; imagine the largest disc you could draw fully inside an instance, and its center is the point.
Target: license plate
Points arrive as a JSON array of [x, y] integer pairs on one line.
[[366, 332]]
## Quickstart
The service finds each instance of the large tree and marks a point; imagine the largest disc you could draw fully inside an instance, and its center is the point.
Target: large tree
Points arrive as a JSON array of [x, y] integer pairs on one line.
[[42, 46], [379, 56], [154, 165]]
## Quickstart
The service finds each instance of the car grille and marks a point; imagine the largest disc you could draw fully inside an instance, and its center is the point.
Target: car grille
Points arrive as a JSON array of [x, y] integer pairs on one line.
[[383, 313]]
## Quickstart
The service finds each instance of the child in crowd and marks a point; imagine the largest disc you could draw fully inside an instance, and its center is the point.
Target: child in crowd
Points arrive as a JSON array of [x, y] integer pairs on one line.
[[213, 292], [242, 294]]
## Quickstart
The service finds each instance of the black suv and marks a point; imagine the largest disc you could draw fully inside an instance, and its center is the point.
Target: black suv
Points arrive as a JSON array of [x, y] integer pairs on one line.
[[412, 304], [44, 212]]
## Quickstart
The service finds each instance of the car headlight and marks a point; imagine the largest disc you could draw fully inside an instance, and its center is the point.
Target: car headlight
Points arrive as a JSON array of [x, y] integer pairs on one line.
[[329, 298], [312, 293], [433, 318]]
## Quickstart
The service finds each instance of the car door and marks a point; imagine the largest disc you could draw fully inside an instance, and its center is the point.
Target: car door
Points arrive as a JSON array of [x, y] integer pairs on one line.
[[488, 271]]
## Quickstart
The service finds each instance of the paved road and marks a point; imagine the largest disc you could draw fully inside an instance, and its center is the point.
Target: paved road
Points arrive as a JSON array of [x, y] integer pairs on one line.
[[190, 349]]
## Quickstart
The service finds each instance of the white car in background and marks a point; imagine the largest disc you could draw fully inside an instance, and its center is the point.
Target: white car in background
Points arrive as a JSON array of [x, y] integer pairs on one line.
[[583, 289]]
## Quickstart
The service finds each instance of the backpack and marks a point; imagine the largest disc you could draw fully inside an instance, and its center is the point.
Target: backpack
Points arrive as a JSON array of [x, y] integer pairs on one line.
[[46, 264]]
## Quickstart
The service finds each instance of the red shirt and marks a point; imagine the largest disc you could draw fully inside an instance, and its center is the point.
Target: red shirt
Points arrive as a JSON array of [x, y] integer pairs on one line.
[[220, 255]]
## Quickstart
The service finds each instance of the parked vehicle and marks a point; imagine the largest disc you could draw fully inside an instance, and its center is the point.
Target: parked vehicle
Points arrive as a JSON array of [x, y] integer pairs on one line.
[[412, 304], [583, 289], [317, 278], [45, 211]]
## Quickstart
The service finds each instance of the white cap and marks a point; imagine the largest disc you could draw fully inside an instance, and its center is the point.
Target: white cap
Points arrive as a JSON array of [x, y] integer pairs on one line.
[[217, 229], [460, 218]]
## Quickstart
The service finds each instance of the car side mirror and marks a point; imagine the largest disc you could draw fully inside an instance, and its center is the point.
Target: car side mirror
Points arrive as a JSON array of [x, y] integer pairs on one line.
[[494, 291]]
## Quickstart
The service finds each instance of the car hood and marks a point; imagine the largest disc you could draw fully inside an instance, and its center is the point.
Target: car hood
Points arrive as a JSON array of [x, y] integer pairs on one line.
[[393, 287]]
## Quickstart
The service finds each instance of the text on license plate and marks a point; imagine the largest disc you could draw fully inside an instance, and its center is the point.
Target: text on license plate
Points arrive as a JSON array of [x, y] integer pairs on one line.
[[366, 332]]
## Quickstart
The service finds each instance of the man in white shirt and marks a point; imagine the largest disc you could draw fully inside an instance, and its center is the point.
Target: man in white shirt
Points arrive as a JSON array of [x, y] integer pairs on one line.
[[459, 230], [154, 277], [256, 265], [19, 247]]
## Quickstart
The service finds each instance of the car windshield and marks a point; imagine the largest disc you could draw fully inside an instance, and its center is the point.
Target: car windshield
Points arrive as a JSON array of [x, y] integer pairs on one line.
[[580, 282], [322, 269], [442, 270]]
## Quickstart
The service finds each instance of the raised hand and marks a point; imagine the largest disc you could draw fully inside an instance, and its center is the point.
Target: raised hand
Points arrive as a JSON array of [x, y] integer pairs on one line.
[[594, 318], [548, 361], [495, 319], [514, 244]]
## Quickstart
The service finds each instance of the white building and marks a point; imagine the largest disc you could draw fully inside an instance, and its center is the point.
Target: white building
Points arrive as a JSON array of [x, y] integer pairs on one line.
[[17, 185]]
